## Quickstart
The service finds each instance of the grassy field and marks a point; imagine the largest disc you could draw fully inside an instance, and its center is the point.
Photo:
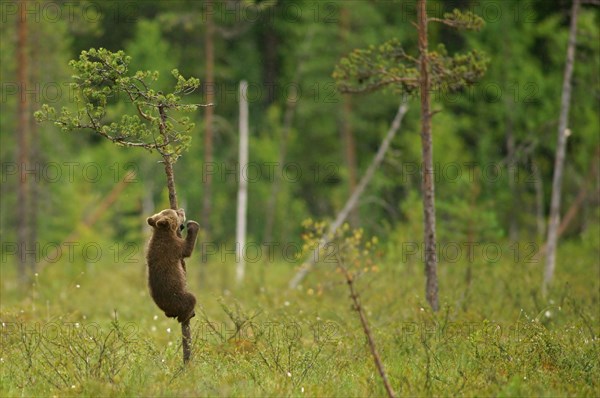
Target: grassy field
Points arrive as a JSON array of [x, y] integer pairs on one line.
[[91, 329]]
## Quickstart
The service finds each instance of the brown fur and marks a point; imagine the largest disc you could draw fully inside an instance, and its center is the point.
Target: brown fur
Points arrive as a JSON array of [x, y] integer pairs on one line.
[[166, 268]]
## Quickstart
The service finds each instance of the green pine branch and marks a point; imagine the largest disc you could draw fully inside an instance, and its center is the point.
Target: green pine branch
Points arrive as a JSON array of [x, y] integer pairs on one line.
[[461, 20], [388, 65], [102, 77]]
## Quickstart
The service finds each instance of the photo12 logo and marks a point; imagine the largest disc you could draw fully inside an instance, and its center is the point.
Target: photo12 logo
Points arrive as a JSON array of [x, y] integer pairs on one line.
[[63, 172], [54, 252], [472, 252], [253, 172], [38, 11]]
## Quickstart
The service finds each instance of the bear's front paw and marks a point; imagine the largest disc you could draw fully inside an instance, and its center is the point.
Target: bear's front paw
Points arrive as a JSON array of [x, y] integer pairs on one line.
[[192, 226]]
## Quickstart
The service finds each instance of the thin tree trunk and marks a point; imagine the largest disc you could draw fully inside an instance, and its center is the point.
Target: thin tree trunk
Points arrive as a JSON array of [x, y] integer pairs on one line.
[[538, 184], [270, 67], [353, 199], [581, 195], [276, 186], [560, 153], [511, 156], [513, 228], [186, 334], [22, 132], [575, 206], [170, 182], [209, 82], [243, 184], [168, 161], [186, 341], [147, 205], [34, 187], [346, 126], [288, 119], [431, 288]]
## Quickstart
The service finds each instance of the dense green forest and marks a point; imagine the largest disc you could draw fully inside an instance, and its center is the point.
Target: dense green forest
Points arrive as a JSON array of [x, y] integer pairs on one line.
[[72, 215]]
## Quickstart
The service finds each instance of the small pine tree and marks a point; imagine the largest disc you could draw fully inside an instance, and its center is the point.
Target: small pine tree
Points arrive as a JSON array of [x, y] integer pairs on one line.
[[102, 76], [388, 65]]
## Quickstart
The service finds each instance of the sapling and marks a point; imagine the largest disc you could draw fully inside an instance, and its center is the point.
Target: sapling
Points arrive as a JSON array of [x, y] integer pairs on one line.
[[353, 258], [102, 78]]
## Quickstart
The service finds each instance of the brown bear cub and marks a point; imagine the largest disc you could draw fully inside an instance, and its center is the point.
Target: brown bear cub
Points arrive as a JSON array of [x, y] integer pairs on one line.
[[166, 267]]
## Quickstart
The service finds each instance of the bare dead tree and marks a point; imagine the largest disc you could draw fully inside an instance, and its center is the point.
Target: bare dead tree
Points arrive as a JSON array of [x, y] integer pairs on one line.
[[242, 204], [561, 146], [353, 199]]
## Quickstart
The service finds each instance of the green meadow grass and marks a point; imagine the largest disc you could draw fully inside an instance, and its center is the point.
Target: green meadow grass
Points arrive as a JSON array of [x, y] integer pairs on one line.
[[92, 330]]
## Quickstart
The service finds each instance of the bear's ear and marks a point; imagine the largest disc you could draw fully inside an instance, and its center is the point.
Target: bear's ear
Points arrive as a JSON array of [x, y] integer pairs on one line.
[[151, 222]]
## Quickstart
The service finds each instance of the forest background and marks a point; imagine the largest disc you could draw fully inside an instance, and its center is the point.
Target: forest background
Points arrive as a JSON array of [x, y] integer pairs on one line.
[[494, 150]]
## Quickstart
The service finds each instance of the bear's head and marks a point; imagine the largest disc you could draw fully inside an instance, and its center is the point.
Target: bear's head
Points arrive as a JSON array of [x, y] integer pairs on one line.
[[167, 219]]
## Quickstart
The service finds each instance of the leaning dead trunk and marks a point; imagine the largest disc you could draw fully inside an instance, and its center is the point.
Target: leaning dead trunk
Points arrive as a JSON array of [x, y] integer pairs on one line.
[[353, 200]]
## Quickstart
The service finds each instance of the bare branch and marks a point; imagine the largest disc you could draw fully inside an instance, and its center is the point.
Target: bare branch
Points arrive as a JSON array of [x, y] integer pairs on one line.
[[354, 296]]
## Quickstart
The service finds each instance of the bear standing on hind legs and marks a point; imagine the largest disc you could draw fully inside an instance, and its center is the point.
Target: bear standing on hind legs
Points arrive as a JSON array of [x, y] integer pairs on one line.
[[166, 267]]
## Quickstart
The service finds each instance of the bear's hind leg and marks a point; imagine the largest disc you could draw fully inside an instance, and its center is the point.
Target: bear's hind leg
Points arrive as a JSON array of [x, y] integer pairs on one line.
[[188, 303]]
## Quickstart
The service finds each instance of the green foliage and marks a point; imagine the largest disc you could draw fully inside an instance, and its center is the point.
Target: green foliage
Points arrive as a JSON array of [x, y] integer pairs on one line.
[[102, 76], [377, 67], [456, 72], [462, 20], [290, 44], [390, 65], [69, 356], [59, 338], [149, 49], [349, 250]]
